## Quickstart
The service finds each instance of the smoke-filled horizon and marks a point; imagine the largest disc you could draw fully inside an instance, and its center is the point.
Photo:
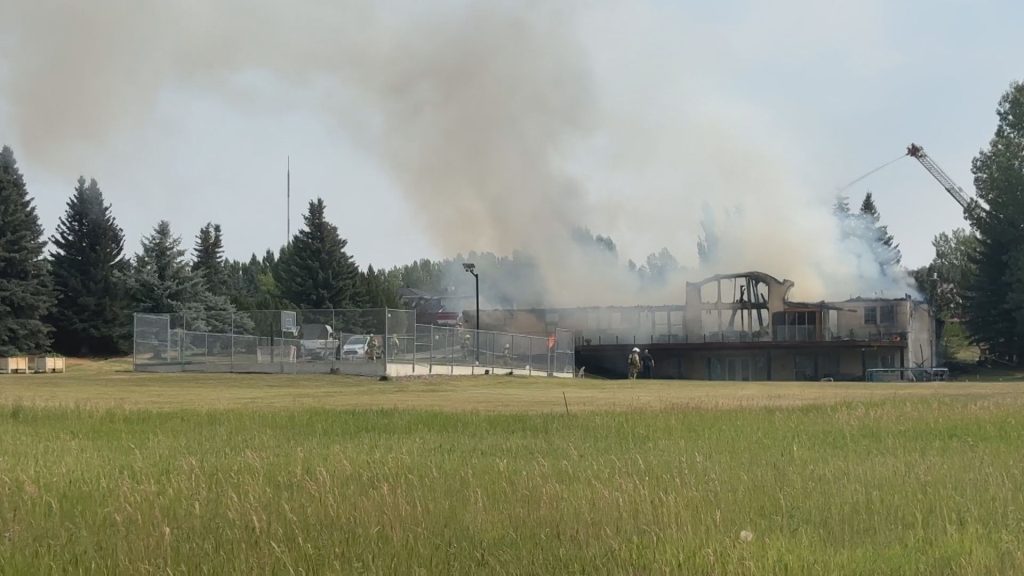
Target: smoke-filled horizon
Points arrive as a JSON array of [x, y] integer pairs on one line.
[[505, 127]]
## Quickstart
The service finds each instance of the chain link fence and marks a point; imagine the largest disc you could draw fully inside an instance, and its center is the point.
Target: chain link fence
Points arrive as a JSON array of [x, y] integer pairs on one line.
[[366, 342], [445, 350]]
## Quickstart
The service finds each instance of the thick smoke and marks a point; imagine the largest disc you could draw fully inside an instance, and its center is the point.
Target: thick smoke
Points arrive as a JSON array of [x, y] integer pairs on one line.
[[506, 126]]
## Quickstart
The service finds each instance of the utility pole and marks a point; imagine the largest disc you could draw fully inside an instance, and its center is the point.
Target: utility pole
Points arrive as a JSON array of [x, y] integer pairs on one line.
[[288, 242]]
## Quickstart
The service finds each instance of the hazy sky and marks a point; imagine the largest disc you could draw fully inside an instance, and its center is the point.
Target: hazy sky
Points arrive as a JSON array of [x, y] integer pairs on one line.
[[823, 91]]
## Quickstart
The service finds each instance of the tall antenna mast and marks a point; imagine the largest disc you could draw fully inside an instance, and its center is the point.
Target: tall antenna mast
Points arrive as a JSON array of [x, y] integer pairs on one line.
[[289, 207]]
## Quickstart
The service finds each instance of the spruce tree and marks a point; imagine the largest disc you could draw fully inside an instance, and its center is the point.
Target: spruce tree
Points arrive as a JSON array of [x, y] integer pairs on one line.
[[314, 271], [208, 261], [887, 251], [161, 280], [995, 301], [88, 274], [26, 290]]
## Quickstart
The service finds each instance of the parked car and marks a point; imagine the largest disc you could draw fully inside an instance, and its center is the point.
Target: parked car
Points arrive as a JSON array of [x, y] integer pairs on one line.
[[318, 342], [355, 347]]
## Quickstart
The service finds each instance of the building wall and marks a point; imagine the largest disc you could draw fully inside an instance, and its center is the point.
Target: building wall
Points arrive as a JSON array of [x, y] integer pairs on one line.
[[851, 325], [921, 337], [611, 325]]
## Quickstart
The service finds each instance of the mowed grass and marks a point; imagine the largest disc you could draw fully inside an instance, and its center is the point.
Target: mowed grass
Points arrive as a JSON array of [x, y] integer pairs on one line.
[[110, 472]]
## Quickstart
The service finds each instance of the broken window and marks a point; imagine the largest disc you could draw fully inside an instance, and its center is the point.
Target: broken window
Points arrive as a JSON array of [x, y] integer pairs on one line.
[[887, 314], [887, 360], [870, 315]]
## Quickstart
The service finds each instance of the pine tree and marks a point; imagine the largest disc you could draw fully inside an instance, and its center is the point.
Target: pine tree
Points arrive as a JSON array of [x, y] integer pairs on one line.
[[379, 289], [314, 271], [887, 251], [841, 207], [26, 289], [995, 301], [208, 261], [161, 280], [88, 274]]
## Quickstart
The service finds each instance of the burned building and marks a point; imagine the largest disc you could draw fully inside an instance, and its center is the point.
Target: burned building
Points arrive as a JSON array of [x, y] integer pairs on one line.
[[741, 327]]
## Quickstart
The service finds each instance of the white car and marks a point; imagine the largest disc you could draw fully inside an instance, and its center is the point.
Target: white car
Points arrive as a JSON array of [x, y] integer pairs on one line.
[[355, 348]]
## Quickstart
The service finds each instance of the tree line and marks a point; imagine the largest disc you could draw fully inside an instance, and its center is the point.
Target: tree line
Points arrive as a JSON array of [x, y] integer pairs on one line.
[[977, 276], [77, 296]]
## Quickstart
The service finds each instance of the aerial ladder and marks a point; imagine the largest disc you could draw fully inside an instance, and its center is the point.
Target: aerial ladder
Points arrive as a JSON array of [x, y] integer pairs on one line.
[[972, 208]]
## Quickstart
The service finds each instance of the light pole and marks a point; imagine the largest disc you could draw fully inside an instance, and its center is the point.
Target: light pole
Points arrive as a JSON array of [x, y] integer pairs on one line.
[[471, 268]]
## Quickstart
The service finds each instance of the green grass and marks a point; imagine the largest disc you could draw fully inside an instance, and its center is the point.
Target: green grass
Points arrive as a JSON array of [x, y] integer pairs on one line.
[[637, 479]]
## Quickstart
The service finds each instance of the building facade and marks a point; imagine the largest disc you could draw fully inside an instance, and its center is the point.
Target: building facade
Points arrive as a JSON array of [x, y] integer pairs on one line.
[[741, 327]]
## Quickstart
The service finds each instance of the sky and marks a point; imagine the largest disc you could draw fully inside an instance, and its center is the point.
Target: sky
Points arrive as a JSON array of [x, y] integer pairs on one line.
[[669, 109]]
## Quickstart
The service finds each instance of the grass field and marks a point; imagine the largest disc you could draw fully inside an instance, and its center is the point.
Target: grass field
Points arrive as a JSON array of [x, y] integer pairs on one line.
[[104, 471]]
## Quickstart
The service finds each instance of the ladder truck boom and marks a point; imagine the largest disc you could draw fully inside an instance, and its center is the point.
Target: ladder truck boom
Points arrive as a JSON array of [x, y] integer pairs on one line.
[[970, 206]]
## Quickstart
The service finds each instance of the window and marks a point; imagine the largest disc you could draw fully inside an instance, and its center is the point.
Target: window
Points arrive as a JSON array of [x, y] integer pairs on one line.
[[870, 315], [887, 360], [803, 367], [887, 314]]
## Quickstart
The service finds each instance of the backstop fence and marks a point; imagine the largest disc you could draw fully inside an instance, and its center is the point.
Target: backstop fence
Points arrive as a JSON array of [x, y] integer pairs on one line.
[[371, 342]]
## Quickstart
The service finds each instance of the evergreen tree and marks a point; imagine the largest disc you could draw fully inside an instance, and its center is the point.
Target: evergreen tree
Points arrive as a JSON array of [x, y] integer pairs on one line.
[[314, 271], [841, 208], [208, 261], [26, 289], [379, 289], [88, 274], [995, 301], [161, 280], [885, 246]]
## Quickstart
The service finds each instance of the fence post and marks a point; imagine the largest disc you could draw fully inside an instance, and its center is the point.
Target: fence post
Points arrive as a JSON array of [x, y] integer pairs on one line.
[[512, 347], [181, 341], [232, 341], [430, 360], [206, 340], [135, 336], [529, 367]]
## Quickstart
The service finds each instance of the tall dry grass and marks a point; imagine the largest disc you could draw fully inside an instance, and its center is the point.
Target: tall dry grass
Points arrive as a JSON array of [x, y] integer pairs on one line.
[[900, 486]]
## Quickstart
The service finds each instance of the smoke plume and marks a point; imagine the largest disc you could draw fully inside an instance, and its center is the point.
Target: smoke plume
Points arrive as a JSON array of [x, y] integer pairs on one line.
[[507, 126]]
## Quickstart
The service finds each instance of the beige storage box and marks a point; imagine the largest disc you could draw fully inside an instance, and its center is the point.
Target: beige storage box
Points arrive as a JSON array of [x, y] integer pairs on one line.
[[14, 365], [49, 364]]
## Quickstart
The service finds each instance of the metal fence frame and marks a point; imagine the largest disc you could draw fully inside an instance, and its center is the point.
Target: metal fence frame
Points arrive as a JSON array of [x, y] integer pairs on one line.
[[260, 341]]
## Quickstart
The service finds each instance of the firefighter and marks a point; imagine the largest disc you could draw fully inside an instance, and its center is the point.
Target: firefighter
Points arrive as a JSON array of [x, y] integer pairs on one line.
[[634, 363], [508, 353], [395, 345], [648, 363], [371, 348], [467, 344]]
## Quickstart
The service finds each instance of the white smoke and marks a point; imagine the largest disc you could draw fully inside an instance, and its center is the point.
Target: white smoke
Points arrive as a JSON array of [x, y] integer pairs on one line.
[[506, 125]]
